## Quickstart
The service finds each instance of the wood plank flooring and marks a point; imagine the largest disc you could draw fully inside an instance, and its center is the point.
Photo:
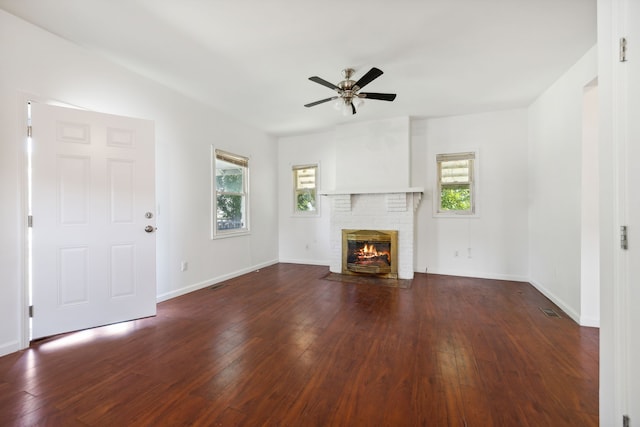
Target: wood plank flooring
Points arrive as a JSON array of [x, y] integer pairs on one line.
[[284, 347]]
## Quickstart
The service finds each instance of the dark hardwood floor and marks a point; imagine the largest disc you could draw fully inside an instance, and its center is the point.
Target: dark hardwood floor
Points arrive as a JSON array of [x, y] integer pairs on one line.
[[285, 347]]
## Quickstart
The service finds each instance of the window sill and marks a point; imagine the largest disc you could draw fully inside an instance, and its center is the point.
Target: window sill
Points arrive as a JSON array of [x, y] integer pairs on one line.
[[314, 214], [455, 215], [228, 234]]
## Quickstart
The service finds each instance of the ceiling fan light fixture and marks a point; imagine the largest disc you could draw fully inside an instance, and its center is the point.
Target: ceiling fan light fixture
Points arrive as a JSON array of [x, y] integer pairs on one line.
[[346, 108]]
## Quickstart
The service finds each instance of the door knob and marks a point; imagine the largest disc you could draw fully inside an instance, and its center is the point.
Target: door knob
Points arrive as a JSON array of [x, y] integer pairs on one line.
[[149, 229]]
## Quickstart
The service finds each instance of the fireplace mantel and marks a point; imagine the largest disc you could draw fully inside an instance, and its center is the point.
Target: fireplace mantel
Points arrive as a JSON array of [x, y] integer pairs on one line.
[[371, 191]]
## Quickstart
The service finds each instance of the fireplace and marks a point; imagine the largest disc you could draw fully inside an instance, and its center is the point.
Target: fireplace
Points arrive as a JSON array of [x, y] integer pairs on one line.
[[384, 209], [370, 252]]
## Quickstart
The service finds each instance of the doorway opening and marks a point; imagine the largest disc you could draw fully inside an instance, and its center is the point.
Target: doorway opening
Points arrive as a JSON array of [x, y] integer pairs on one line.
[[590, 219]]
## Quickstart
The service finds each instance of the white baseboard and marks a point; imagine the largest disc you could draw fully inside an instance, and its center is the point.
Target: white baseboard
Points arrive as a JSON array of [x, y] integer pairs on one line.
[[589, 322], [479, 275], [572, 313], [306, 261], [210, 282], [9, 347], [557, 301]]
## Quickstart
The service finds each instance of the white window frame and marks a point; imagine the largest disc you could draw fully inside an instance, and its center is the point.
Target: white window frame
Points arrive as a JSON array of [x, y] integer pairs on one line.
[[473, 184], [242, 161], [294, 186]]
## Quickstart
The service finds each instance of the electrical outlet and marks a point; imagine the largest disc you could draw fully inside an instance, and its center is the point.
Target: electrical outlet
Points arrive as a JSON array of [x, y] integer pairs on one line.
[[184, 265]]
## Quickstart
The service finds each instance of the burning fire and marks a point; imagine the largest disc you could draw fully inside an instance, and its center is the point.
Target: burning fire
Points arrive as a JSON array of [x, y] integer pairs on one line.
[[369, 251]]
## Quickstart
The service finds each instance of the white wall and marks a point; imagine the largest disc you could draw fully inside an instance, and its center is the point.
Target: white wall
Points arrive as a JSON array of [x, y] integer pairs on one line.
[[46, 67], [305, 239], [494, 243], [374, 155], [555, 174]]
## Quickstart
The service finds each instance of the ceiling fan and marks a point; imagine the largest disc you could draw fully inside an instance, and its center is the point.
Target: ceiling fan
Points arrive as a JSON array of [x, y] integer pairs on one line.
[[349, 95]]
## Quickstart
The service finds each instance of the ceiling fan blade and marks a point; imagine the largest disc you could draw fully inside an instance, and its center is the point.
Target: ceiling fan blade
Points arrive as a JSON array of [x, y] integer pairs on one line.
[[380, 96], [321, 101], [371, 75], [323, 82]]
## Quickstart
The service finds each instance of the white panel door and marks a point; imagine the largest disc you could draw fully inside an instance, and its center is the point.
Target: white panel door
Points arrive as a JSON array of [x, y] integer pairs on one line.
[[93, 195]]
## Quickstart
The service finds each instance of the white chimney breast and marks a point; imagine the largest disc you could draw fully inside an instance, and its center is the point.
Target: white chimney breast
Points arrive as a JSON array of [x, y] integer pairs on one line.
[[373, 155]]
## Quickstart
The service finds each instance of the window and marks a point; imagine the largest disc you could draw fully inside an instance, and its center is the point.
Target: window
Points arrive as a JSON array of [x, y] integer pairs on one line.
[[456, 183], [305, 189], [231, 194]]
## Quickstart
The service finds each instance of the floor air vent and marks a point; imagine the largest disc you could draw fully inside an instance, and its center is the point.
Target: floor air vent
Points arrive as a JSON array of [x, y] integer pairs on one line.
[[549, 312]]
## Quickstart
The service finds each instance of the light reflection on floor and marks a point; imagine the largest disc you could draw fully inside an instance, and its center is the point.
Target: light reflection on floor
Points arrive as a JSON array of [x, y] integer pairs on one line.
[[83, 337]]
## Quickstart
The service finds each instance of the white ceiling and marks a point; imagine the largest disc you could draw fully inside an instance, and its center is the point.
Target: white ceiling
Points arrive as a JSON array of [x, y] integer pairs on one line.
[[252, 58]]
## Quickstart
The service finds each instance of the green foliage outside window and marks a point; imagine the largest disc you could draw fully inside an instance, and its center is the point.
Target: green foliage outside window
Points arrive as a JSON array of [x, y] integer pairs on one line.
[[229, 181], [306, 201], [455, 199], [229, 206]]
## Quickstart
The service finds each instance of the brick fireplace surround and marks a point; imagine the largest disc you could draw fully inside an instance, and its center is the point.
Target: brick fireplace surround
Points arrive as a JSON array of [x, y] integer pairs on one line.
[[375, 210]]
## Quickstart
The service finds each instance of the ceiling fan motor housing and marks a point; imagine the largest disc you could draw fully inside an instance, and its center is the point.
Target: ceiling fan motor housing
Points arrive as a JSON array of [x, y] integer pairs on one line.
[[348, 86]]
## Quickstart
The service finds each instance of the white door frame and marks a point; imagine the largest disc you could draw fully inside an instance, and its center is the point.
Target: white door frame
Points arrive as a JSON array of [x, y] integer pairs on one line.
[[615, 383]]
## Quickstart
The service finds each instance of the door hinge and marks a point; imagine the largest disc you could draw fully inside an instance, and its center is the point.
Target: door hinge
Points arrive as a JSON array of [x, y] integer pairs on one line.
[[30, 221], [30, 311], [29, 131], [624, 243], [623, 49]]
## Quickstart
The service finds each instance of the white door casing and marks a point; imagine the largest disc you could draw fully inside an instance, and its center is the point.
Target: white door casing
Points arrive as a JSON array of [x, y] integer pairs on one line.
[[620, 293], [93, 195], [630, 207]]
